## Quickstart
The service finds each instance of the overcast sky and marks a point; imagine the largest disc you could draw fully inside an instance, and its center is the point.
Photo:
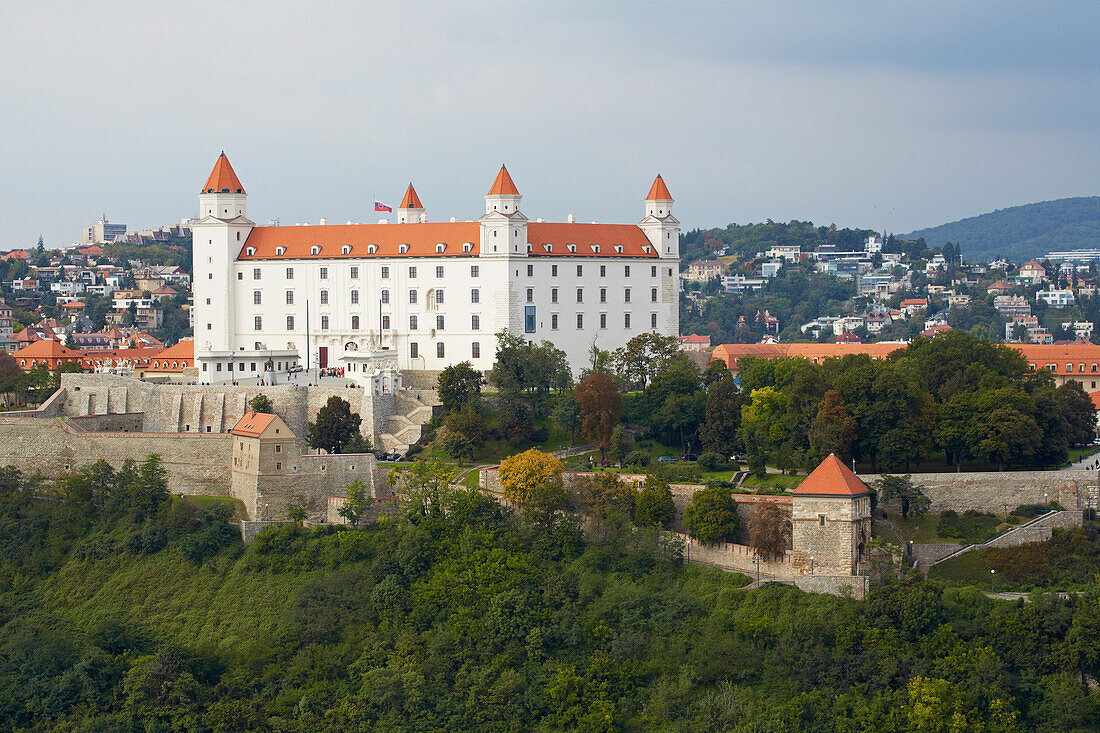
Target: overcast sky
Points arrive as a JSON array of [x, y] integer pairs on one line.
[[877, 114]]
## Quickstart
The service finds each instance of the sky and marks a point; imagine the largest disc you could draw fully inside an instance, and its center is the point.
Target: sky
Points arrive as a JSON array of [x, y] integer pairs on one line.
[[874, 114]]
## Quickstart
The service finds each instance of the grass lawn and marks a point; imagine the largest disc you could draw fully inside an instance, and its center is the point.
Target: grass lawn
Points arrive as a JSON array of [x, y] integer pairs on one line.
[[921, 531], [966, 569], [1076, 454], [773, 481], [204, 501]]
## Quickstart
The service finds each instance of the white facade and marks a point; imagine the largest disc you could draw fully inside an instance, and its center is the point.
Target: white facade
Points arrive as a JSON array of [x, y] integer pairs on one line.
[[422, 296]]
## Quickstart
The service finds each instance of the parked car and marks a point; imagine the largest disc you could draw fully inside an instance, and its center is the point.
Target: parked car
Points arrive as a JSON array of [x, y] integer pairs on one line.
[[689, 457], [665, 459], [389, 456]]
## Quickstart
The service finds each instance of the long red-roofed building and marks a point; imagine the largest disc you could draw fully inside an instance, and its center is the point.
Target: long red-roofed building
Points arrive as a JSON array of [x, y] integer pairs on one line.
[[422, 295]]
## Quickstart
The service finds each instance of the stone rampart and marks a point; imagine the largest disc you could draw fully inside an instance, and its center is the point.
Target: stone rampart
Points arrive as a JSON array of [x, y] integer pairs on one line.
[[196, 463], [853, 586], [125, 422], [991, 491]]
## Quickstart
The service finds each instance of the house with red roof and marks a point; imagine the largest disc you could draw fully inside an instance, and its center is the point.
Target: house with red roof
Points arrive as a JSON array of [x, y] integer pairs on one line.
[[831, 518]]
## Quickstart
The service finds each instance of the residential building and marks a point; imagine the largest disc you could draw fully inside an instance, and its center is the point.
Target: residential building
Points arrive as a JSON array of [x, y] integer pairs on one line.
[[702, 270], [740, 283], [1032, 273], [694, 342], [1057, 298], [785, 252], [1012, 306], [101, 232]]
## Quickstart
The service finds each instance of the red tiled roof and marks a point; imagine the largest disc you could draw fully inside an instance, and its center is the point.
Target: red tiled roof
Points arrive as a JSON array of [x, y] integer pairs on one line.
[[658, 191], [183, 352], [503, 185], [423, 238], [694, 338], [252, 424], [1095, 400], [47, 349], [831, 478], [222, 179], [411, 200]]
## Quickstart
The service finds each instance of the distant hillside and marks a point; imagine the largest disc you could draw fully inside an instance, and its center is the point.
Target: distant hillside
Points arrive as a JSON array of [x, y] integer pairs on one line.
[[1021, 232]]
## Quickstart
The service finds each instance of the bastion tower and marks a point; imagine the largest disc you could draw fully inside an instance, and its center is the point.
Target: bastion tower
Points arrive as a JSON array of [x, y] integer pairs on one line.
[[831, 518]]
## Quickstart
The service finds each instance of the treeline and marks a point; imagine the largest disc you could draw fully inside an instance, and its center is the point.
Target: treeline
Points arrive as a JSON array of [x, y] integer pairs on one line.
[[457, 615], [971, 399], [746, 240]]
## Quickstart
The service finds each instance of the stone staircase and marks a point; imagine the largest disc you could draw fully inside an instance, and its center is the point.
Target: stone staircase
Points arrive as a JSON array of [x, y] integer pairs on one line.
[[1039, 529], [414, 410]]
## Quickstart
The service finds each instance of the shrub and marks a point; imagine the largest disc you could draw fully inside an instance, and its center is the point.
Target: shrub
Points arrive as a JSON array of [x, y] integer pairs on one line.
[[654, 505], [711, 461], [636, 458], [681, 473], [712, 516]]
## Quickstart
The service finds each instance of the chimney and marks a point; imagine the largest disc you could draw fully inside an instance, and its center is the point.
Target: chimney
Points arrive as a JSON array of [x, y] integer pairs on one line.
[[323, 221], [571, 219]]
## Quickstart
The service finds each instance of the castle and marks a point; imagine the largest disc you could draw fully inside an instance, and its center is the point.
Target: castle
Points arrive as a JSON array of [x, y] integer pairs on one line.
[[415, 295]]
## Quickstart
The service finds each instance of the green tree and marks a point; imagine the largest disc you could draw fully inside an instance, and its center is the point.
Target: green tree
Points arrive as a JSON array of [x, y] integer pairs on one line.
[[621, 443], [643, 355], [712, 516], [1007, 434], [1079, 412], [654, 506], [296, 513], [517, 423], [679, 418], [458, 386], [833, 430], [770, 530], [355, 503], [334, 427], [428, 486], [721, 424], [261, 403], [566, 414], [901, 492], [601, 408]]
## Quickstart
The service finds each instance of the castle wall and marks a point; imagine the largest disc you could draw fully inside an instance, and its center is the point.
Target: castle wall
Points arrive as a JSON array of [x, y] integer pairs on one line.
[[991, 491], [196, 463]]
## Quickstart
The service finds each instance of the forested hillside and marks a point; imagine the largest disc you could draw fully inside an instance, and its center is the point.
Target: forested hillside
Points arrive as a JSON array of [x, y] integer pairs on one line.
[[745, 240], [1021, 232], [123, 609]]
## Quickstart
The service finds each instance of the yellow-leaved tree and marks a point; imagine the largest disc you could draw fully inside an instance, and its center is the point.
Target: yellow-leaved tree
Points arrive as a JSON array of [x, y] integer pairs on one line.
[[532, 479]]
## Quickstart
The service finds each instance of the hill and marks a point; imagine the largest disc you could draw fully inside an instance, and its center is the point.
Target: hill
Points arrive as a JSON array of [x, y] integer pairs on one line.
[[1021, 232]]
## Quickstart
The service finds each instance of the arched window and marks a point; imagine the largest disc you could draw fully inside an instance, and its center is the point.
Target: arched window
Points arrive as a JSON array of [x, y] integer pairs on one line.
[[1069, 368], [355, 323]]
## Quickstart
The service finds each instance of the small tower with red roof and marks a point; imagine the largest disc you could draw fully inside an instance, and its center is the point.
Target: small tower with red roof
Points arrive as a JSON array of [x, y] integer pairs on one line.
[[831, 518], [411, 211], [659, 225], [503, 226]]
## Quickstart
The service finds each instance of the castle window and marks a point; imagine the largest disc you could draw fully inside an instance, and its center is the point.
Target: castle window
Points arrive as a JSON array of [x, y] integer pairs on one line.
[[440, 351], [402, 249], [412, 272], [653, 295], [290, 297], [290, 323], [626, 320], [475, 323], [580, 270], [439, 323], [467, 247], [440, 248], [1069, 368], [278, 465], [354, 273], [414, 350], [618, 249], [475, 271], [259, 323], [324, 297], [290, 273], [553, 295], [530, 270], [280, 250], [595, 248], [646, 248], [554, 322], [324, 323], [603, 320], [475, 295], [412, 297], [653, 320], [412, 323], [549, 248], [385, 296], [626, 295], [439, 271], [529, 247], [355, 323], [553, 270], [345, 249], [323, 274], [385, 322], [1094, 368], [372, 248], [572, 248], [580, 320], [354, 297], [278, 448], [653, 271], [250, 251], [256, 274], [439, 295], [475, 350], [580, 295], [530, 295], [1081, 368], [315, 249], [256, 297], [820, 520]]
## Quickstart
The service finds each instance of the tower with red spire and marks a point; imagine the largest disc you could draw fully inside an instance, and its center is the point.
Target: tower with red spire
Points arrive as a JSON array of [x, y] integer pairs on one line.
[[503, 226], [411, 211]]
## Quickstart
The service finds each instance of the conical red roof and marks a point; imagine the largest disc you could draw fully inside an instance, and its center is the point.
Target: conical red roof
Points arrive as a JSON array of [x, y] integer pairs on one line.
[[222, 179], [503, 185], [411, 200], [831, 478], [658, 191]]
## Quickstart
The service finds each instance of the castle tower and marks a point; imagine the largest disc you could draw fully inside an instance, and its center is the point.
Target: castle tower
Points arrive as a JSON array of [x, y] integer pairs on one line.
[[217, 238], [831, 516], [659, 225], [411, 211], [503, 227]]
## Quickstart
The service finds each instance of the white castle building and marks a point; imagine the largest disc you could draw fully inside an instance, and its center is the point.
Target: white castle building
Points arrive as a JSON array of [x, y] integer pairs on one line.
[[415, 295]]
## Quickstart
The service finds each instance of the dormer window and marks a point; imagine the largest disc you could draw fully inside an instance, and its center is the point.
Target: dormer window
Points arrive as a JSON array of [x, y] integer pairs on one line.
[[595, 248], [279, 251], [440, 248], [250, 251], [647, 249], [548, 247], [529, 248], [402, 249], [345, 249], [618, 249], [572, 248], [467, 247], [372, 248], [315, 249]]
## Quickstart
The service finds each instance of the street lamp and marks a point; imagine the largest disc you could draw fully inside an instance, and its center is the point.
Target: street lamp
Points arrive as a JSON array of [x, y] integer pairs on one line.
[[757, 561], [992, 578], [811, 564]]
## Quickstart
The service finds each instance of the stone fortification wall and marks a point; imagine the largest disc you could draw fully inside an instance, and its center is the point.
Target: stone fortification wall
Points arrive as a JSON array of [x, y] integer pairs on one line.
[[853, 586], [196, 463], [126, 422], [211, 408], [1040, 530], [990, 492], [310, 480]]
